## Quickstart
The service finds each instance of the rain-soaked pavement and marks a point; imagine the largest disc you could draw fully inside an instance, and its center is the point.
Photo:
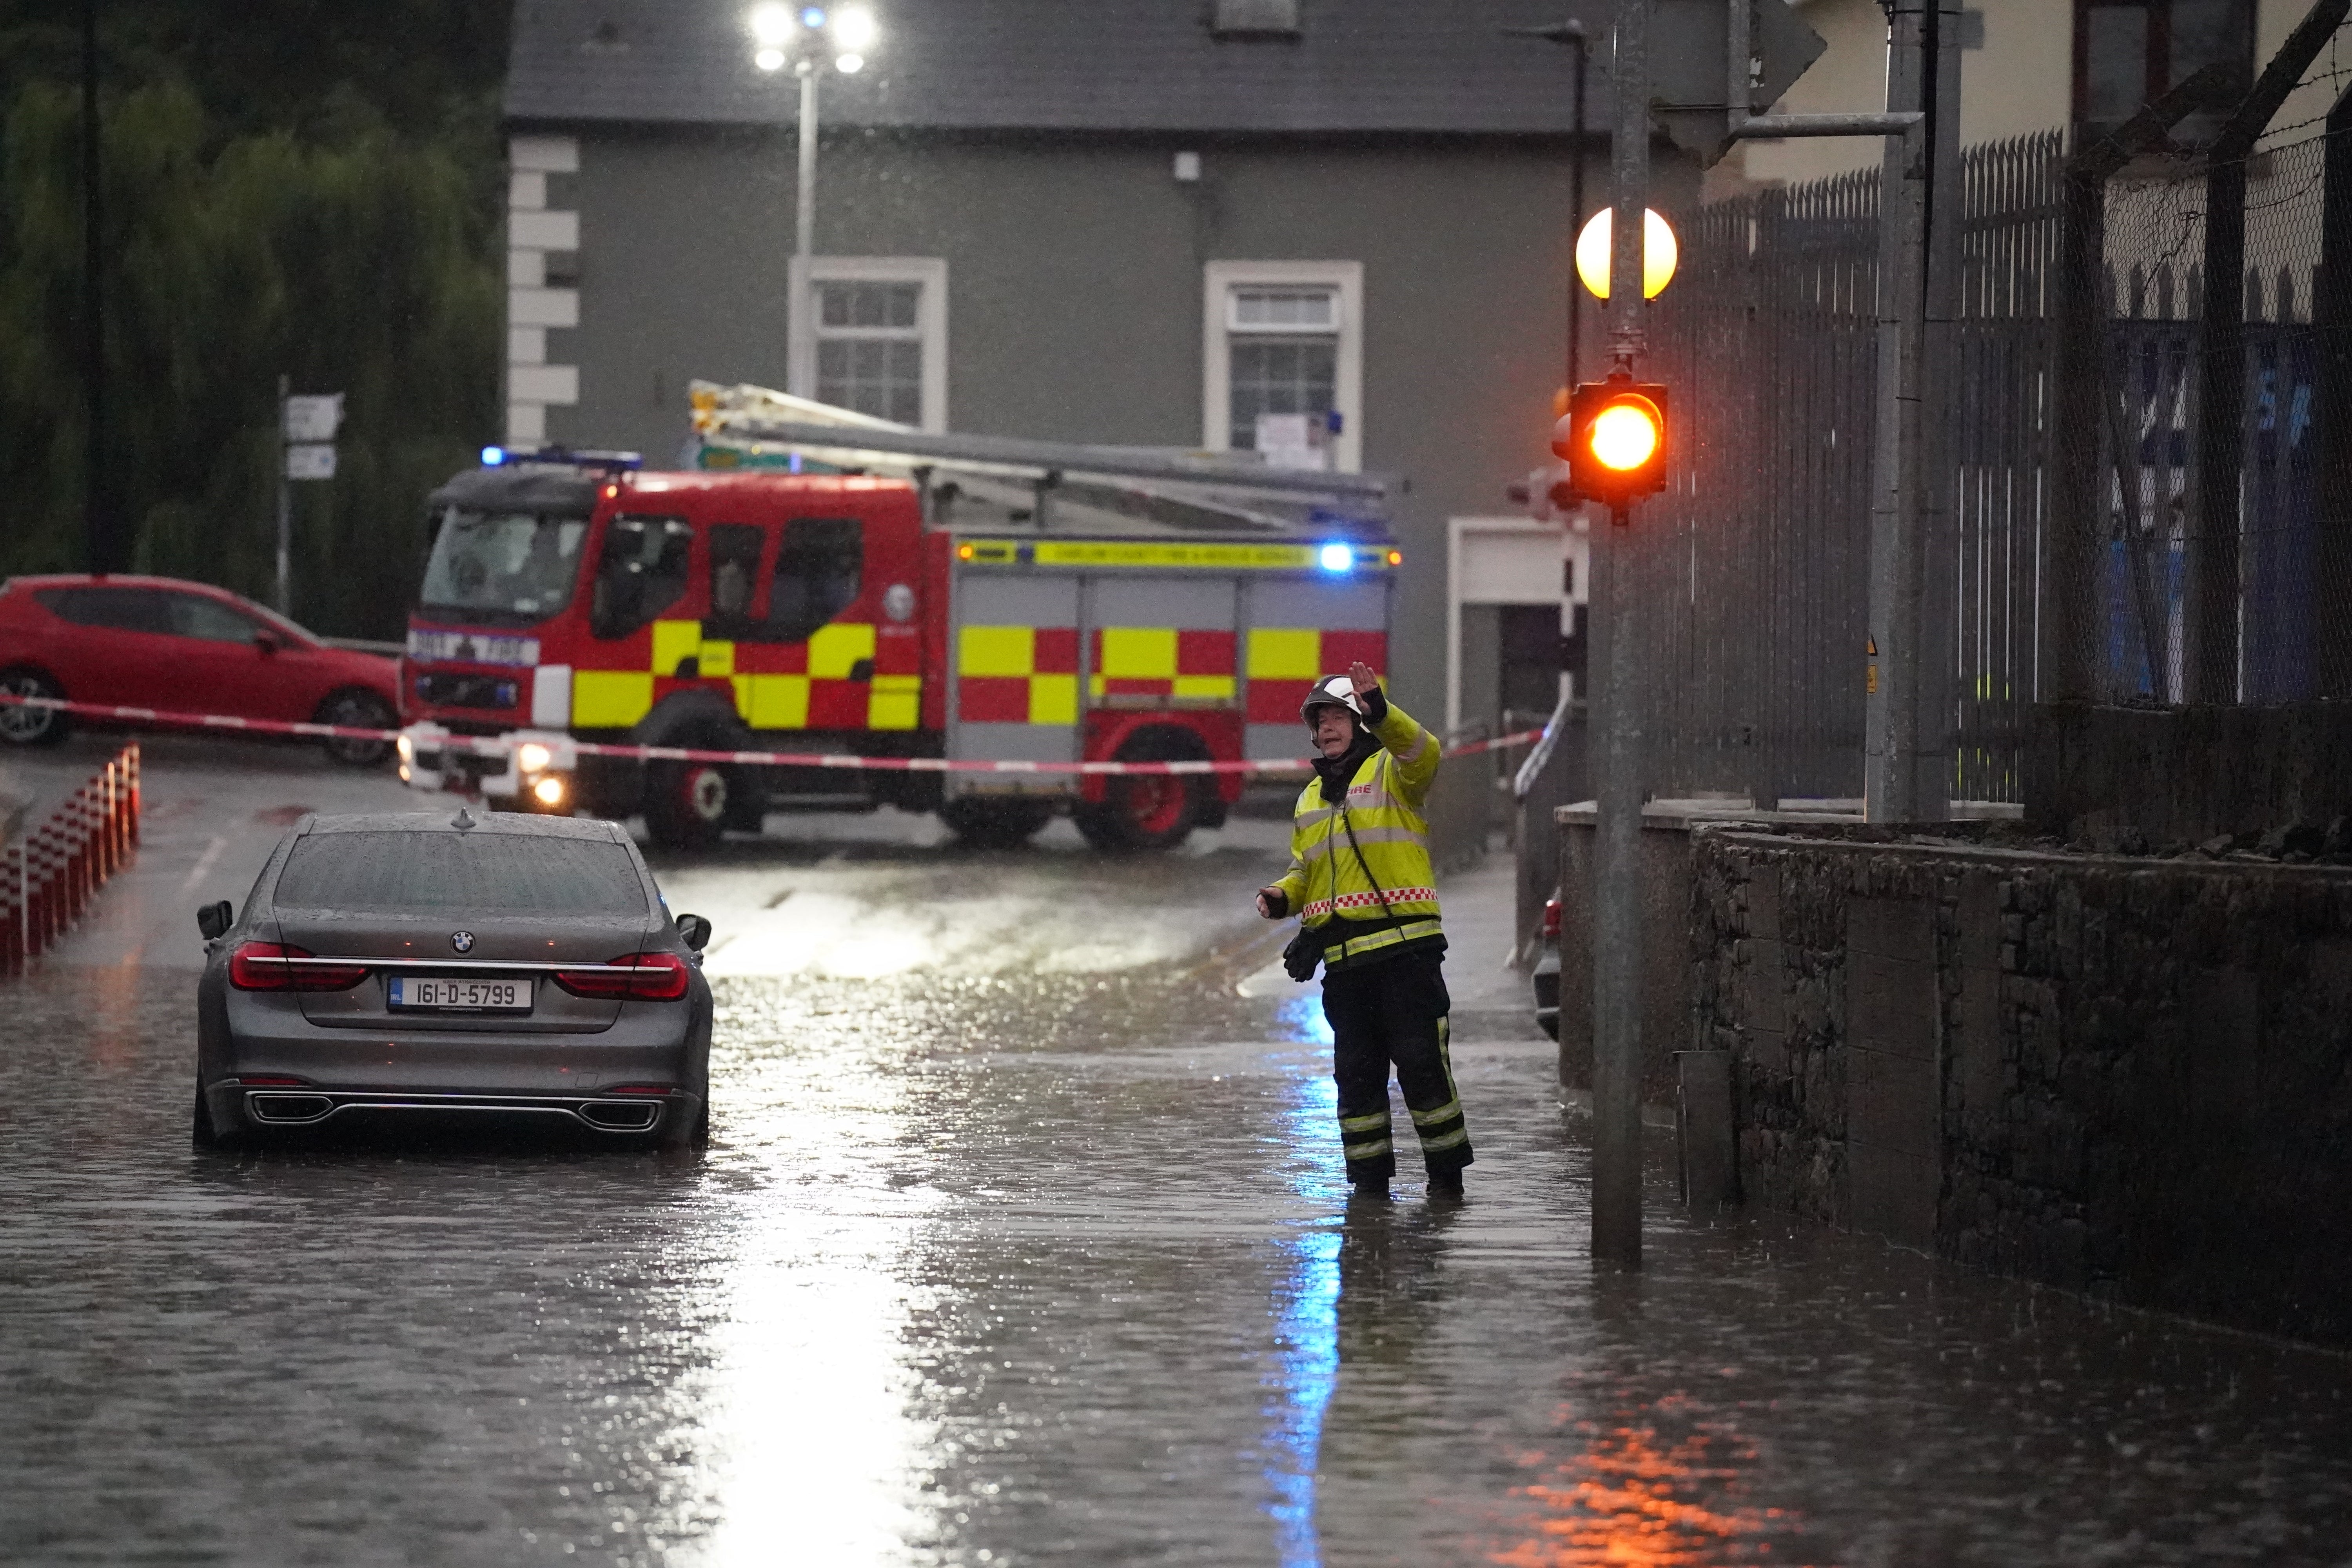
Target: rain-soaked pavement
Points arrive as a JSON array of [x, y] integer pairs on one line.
[[1019, 1239]]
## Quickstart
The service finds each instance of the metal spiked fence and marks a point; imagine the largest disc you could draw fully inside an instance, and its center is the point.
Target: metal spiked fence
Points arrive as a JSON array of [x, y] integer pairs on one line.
[[1754, 563], [2165, 518]]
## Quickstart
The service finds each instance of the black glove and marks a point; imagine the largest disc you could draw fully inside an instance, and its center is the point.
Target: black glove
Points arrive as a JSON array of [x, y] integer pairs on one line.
[[1376, 708]]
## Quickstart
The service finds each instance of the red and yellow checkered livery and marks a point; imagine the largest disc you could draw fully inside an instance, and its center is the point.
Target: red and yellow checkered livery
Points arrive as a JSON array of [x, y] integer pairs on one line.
[[1285, 660], [845, 677], [1017, 675], [1163, 661]]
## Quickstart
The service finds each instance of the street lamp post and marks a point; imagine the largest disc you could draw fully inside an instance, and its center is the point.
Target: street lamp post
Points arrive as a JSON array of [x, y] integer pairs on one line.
[[808, 39], [1572, 33]]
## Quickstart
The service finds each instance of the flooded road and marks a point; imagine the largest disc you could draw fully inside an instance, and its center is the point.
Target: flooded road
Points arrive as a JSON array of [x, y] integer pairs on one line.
[[1015, 1253]]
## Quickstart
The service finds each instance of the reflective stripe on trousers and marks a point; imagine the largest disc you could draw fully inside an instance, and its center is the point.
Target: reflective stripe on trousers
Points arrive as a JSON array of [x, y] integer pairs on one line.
[[1394, 1011]]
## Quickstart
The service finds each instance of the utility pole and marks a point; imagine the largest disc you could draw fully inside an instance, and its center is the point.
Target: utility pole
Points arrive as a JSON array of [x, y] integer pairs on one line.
[[1617, 873], [98, 546], [285, 598]]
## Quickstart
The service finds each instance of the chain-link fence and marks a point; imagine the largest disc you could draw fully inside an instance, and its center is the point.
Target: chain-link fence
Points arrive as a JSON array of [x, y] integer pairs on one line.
[[2221, 563]]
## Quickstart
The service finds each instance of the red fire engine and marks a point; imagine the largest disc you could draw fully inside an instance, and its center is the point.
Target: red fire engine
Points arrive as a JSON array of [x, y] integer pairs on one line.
[[823, 583]]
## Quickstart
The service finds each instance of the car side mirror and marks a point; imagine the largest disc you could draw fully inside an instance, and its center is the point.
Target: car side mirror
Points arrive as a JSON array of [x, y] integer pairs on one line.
[[266, 641], [214, 919], [695, 931]]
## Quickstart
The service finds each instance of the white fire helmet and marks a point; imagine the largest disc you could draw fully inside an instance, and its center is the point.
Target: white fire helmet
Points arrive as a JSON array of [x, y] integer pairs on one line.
[[1332, 692]]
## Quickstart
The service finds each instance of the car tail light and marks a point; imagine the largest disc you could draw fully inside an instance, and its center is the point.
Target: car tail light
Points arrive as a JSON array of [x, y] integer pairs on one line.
[[252, 1080], [640, 1089], [264, 966], [1551, 919], [633, 977]]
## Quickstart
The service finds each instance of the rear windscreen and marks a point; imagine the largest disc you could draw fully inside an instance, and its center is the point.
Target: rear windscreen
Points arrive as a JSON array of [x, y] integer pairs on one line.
[[479, 873]]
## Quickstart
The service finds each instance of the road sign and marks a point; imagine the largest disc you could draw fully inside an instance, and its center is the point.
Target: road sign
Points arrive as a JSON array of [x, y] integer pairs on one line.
[[1690, 68], [311, 460], [314, 418]]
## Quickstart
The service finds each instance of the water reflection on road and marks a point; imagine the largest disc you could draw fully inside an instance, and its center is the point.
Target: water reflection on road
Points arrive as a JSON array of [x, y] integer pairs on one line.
[[991, 1264]]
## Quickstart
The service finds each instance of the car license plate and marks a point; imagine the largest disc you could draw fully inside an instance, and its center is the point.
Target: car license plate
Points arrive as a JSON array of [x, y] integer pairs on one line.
[[417, 991]]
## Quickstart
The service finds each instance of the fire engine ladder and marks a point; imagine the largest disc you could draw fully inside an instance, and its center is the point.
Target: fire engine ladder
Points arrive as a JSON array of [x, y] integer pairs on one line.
[[1192, 491]]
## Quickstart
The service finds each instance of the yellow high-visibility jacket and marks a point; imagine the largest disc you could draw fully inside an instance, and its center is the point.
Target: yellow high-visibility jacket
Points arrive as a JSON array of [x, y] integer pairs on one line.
[[1325, 883]]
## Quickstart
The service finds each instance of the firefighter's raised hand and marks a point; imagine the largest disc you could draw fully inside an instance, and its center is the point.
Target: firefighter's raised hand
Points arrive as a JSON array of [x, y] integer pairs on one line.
[[1365, 681], [1273, 903]]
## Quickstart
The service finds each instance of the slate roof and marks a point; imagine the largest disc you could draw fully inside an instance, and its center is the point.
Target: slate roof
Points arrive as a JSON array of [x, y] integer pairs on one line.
[[1138, 66]]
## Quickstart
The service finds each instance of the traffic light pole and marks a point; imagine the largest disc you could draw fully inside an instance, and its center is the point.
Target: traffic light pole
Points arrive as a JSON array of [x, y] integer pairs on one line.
[[1617, 876], [1892, 781]]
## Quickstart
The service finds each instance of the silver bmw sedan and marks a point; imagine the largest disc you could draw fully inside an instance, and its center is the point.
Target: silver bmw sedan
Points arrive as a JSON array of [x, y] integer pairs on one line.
[[512, 966]]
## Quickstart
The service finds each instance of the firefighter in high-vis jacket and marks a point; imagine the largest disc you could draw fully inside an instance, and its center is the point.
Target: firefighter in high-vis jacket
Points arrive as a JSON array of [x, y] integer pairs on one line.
[[1360, 882]]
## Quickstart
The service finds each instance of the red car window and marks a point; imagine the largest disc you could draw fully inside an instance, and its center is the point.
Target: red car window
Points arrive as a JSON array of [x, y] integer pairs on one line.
[[207, 619], [116, 609]]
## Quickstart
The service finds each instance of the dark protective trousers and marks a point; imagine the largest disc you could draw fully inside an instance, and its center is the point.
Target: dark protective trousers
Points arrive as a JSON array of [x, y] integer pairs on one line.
[[1393, 1011]]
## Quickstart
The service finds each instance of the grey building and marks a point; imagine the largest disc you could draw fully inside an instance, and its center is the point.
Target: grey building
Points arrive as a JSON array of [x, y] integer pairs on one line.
[[1144, 222]]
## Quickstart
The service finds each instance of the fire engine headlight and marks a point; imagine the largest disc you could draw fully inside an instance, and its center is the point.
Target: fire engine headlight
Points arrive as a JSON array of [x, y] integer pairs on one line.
[[547, 791], [406, 748], [532, 757]]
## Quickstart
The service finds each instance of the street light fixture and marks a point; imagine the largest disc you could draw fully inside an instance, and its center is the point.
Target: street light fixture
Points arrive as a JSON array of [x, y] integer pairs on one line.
[[808, 40]]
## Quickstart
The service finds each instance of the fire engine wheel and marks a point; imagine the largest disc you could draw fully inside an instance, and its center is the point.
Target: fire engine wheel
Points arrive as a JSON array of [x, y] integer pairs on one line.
[[1147, 811], [994, 824], [686, 802], [361, 711], [31, 726]]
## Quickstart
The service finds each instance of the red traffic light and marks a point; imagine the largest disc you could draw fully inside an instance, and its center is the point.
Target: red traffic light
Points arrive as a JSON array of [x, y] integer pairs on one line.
[[1613, 440]]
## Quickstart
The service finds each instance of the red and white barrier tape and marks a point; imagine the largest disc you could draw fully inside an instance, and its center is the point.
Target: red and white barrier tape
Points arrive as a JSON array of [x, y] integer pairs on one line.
[[503, 746]]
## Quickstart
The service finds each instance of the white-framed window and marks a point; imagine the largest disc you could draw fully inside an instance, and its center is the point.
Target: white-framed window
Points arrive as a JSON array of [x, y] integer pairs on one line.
[[1283, 361], [872, 335]]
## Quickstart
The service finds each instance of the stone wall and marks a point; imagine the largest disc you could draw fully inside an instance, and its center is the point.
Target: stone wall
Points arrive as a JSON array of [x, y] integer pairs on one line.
[[2127, 1077], [1665, 985]]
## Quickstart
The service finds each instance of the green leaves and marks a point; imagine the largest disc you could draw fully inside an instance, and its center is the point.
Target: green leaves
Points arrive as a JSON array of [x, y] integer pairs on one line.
[[340, 251]]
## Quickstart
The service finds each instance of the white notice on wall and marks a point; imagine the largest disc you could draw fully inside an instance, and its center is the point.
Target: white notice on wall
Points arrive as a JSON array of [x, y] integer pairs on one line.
[[311, 460], [314, 418], [1293, 441]]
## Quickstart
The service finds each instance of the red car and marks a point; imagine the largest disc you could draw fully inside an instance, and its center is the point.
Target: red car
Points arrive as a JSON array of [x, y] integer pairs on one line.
[[188, 648]]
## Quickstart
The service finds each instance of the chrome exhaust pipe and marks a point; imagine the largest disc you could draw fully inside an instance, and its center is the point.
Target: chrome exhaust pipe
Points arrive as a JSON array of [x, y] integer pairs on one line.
[[621, 1115], [288, 1110]]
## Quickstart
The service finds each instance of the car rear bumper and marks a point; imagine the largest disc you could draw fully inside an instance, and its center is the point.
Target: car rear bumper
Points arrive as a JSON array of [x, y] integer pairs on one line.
[[237, 1106], [1546, 990]]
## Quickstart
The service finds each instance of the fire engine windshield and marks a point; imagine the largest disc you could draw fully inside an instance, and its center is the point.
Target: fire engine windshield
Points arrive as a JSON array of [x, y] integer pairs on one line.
[[503, 566]]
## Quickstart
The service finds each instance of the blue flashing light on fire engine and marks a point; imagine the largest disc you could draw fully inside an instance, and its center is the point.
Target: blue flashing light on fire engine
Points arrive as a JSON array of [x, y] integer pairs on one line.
[[813, 19], [1337, 558], [493, 455]]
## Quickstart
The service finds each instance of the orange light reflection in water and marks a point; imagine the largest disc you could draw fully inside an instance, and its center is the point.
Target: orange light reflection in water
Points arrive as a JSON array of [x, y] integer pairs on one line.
[[1635, 1499]]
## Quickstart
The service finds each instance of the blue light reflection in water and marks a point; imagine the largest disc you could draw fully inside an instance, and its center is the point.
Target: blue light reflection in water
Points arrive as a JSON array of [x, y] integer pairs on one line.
[[1303, 1016], [1306, 1310]]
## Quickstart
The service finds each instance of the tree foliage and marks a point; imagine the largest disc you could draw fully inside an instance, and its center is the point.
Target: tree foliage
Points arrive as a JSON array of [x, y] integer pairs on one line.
[[341, 230]]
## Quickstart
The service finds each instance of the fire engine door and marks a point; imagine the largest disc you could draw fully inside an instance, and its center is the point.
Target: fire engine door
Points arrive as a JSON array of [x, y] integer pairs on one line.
[[807, 659]]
